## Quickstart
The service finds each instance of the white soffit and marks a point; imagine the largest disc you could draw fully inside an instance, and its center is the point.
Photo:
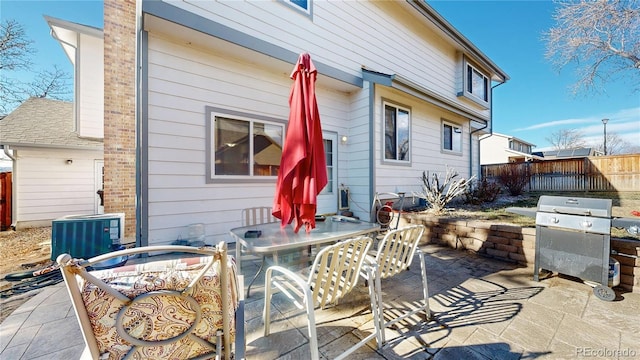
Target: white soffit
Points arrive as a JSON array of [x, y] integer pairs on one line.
[[193, 38]]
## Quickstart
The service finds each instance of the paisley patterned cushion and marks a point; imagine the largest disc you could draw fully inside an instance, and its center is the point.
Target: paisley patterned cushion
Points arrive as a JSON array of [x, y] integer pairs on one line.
[[153, 318]]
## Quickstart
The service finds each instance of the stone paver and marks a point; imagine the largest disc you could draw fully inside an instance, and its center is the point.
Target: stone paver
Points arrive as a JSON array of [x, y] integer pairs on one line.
[[482, 309]]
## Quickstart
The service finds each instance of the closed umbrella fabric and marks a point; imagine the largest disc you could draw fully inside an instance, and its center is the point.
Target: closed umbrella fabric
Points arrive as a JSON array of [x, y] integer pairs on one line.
[[303, 169]]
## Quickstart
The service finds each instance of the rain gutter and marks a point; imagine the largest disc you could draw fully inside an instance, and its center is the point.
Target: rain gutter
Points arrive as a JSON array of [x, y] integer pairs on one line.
[[399, 83], [76, 104], [486, 124], [6, 149]]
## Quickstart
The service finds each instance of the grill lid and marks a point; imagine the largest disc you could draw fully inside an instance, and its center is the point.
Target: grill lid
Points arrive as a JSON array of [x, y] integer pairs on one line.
[[575, 206]]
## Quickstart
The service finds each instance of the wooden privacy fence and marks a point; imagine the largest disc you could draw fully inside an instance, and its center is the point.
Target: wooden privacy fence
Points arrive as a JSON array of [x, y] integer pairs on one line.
[[601, 173], [5, 200]]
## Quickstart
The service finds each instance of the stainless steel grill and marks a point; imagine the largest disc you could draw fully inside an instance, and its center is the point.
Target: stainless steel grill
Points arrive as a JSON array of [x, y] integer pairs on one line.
[[573, 238]]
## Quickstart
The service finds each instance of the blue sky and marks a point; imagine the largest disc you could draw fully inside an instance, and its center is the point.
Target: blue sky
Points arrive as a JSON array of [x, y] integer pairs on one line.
[[30, 14], [530, 106], [537, 101]]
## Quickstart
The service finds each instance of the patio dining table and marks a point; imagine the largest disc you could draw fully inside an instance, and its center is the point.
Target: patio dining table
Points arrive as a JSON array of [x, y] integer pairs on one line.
[[272, 238]]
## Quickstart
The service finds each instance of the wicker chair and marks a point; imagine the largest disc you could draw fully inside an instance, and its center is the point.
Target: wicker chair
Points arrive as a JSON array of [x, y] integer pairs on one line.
[[181, 308]]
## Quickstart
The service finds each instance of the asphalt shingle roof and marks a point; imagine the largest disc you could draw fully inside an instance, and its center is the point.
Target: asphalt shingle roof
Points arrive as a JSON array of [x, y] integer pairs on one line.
[[43, 122]]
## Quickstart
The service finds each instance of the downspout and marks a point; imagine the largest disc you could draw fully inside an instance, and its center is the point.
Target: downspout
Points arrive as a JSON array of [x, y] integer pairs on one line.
[[53, 35], [142, 137], [471, 147], [9, 155], [482, 128], [75, 69], [372, 161]]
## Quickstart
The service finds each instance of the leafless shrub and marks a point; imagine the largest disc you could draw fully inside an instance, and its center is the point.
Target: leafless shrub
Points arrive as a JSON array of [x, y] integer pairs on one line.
[[514, 177], [481, 192], [439, 193]]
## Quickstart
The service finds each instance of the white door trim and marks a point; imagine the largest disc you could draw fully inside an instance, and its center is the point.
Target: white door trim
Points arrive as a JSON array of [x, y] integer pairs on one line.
[[98, 183], [328, 197]]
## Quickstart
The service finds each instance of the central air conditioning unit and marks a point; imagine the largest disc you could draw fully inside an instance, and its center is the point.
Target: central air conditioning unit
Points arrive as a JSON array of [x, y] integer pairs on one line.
[[86, 236]]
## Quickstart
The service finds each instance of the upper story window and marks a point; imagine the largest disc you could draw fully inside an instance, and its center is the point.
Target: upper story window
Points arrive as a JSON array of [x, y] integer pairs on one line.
[[397, 131], [243, 147], [451, 137], [304, 6], [475, 84], [525, 148], [518, 146]]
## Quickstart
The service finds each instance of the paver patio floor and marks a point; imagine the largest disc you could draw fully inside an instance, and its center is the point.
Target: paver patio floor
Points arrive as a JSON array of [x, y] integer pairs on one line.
[[483, 309]]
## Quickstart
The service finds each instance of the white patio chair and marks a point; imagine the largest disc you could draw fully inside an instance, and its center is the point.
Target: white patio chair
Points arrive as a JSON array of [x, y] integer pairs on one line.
[[333, 275], [180, 308], [394, 255], [255, 216]]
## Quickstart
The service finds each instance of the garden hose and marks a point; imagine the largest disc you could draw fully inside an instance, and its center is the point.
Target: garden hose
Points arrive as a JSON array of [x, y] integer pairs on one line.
[[31, 280]]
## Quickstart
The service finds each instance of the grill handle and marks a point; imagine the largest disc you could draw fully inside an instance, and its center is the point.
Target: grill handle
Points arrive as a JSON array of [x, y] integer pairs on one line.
[[571, 211]]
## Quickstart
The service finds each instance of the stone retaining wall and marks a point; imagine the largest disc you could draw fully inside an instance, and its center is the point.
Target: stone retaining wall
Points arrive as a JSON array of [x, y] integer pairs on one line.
[[512, 243]]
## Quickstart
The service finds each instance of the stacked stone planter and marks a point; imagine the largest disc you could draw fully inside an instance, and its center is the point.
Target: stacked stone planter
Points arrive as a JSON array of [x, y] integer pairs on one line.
[[511, 243]]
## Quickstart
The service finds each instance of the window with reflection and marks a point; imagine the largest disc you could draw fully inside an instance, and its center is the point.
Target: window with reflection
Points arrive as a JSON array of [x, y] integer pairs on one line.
[[475, 84], [451, 137], [302, 6], [397, 127], [245, 147]]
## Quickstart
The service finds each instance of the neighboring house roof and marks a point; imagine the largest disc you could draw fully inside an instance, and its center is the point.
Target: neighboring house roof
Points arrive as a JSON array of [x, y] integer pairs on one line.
[[509, 137], [266, 150], [43, 122], [524, 155], [566, 153]]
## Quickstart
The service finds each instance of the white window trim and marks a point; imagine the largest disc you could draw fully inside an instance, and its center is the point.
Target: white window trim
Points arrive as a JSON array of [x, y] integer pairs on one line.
[[210, 114], [453, 125], [394, 161], [465, 82], [308, 12]]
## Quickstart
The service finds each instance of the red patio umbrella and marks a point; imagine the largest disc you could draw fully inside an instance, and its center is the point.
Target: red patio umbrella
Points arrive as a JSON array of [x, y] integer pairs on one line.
[[303, 168]]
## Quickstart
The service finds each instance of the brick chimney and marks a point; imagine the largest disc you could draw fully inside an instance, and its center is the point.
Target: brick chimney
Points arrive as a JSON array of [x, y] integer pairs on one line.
[[119, 111]]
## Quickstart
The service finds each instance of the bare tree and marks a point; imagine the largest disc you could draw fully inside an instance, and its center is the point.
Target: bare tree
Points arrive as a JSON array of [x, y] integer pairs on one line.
[[602, 38], [53, 84], [16, 51], [616, 145], [15, 54], [630, 148], [566, 139]]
